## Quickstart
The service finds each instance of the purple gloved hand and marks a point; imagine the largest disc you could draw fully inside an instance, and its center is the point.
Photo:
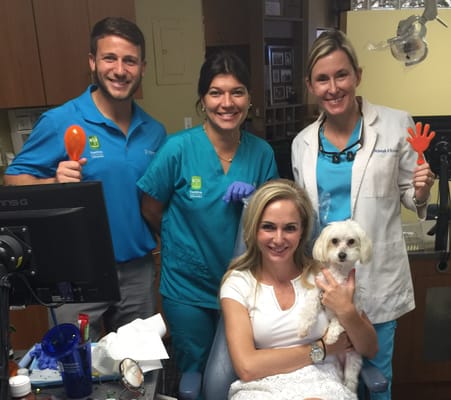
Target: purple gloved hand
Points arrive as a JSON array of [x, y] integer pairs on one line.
[[237, 191], [44, 361]]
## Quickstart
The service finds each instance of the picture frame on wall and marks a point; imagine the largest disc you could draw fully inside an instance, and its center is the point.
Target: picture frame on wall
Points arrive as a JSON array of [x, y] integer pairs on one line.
[[285, 75], [277, 58], [281, 67], [279, 92], [288, 58]]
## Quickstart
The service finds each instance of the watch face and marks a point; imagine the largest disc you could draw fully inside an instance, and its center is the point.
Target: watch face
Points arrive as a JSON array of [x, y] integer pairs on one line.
[[316, 354]]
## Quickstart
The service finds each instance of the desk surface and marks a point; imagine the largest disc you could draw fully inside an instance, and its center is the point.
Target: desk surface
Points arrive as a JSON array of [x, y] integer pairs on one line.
[[104, 390]]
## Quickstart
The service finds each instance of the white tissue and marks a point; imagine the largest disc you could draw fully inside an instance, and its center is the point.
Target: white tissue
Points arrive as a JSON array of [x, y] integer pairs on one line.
[[139, 340]]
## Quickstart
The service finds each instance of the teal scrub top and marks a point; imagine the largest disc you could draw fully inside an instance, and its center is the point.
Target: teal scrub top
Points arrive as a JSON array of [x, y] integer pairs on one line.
[[198, 228], [334, 179]]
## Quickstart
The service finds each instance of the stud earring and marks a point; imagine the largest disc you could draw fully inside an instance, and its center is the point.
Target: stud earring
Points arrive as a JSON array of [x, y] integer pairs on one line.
[[203, 108]]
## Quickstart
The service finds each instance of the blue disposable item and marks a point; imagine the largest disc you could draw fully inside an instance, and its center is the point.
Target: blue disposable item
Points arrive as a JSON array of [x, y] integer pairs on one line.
[[74, 359], [44, 361], [237, 191]]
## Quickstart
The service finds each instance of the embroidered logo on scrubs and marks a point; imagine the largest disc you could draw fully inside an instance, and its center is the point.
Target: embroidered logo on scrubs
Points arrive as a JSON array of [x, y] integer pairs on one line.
[[94, 145], [196, 187]]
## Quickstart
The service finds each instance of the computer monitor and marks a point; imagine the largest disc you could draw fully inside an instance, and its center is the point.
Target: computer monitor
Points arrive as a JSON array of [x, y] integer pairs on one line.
[[55, 244]]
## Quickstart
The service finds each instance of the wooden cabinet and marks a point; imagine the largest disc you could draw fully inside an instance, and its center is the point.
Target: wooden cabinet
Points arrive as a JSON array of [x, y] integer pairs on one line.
[[47, 46], [30, 325], [20, 69], [422, 354], [219, 30]]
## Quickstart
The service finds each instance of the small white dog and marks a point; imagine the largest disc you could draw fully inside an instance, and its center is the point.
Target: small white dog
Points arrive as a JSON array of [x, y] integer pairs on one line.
[[339, 247]]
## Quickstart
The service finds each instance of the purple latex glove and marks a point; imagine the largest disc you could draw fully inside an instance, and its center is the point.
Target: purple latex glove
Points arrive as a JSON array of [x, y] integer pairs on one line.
[[237, 191], [44, 361]]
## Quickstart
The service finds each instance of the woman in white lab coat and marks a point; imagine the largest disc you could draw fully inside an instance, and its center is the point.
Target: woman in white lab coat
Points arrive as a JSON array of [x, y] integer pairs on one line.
[[354, 161]]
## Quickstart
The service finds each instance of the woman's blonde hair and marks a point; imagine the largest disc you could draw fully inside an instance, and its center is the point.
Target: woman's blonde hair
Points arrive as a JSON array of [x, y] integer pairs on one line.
[[328, 42], [271, 191]]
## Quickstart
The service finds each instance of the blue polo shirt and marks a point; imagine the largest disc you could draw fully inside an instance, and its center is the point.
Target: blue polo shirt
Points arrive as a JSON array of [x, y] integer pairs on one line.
[[113, 158], [198, 229]]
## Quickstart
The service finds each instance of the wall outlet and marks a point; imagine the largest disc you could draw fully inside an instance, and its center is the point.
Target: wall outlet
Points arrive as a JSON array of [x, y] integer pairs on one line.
[[188, 122]]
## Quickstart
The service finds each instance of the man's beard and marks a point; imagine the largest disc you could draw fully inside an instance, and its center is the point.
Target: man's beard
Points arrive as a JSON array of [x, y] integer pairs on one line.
[[104, 89]]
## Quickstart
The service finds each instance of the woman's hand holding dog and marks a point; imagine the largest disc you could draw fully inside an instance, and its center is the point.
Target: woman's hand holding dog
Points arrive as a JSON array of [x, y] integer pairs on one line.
[[339, 299], [336, 297]]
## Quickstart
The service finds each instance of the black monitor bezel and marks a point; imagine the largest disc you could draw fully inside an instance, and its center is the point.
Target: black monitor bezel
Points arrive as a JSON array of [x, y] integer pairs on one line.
[[66, 227]]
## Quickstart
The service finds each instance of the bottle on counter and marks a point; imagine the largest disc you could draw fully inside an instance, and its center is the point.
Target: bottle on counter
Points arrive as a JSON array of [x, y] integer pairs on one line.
[[20, 388]]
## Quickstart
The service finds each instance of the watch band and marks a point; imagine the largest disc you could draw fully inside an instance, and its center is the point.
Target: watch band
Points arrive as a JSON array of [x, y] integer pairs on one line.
[[324, 348], [418, 203]]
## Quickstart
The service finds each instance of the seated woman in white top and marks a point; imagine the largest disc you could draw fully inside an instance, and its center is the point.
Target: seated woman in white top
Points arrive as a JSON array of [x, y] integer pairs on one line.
[[261, 297]]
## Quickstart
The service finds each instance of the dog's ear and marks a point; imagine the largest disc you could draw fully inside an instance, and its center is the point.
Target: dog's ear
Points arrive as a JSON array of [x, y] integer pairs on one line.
[[319, 251], [366, 246]]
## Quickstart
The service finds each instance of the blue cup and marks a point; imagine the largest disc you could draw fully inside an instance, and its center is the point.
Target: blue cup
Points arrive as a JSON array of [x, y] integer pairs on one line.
[[62, 342]]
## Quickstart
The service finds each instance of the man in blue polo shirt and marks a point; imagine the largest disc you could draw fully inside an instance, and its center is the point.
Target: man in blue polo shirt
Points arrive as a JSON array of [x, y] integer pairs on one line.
[[121, 141]]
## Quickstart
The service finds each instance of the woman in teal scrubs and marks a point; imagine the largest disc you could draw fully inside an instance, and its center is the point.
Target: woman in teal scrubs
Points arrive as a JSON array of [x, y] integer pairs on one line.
[[192, 196]]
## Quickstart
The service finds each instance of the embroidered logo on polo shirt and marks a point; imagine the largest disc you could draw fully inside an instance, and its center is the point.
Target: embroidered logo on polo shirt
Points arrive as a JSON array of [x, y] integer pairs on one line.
[[94, 145], [196, 187]]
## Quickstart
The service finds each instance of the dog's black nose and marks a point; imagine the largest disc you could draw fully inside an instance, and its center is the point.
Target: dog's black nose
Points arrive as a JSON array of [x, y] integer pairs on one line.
[[342, 255]]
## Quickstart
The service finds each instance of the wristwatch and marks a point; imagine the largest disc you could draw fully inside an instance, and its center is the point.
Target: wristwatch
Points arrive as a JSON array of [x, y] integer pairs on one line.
[[419, 203], [317, 353]]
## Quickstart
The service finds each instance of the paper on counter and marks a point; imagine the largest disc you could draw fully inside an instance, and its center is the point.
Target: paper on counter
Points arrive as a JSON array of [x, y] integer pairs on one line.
[[139, 340]]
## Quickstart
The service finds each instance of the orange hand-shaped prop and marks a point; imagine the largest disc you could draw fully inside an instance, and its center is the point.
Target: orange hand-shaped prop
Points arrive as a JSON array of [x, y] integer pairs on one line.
[[420, 140], [74, 140]]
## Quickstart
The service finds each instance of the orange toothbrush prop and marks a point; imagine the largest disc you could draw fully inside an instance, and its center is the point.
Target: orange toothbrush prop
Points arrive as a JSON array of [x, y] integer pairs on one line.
[[420, 140], [75, 141]]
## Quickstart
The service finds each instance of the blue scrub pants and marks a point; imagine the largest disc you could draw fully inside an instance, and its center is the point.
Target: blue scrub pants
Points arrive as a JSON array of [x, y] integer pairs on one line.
[[383, 360], [192, 331]]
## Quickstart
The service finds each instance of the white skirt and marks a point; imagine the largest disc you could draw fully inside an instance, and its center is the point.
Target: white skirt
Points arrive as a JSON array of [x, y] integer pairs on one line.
[[320, 381]]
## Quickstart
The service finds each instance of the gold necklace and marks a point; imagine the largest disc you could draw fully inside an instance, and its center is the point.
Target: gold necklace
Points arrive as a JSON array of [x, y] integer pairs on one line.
[[228, 160]]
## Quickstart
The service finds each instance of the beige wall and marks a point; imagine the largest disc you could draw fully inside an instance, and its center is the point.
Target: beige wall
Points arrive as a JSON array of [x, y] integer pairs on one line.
[[170, 103], [421, 89]]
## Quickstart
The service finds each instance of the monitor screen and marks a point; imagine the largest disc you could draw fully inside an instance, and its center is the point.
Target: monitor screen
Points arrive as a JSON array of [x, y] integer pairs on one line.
[[55, 243], [440, 146]]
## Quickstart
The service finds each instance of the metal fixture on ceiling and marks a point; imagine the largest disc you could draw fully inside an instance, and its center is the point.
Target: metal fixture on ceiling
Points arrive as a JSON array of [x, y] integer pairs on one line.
[[409, 45]]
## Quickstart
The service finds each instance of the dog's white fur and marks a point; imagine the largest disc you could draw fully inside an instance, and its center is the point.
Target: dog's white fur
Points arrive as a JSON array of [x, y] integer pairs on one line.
[[340, 246]]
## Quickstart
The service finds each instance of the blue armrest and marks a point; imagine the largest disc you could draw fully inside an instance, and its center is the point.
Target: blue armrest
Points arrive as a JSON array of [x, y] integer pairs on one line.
[[189, 386], [373, 379], [190, 383]]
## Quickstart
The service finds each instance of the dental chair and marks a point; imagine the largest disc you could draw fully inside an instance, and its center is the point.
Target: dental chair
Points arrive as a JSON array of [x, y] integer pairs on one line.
[[219, 374]]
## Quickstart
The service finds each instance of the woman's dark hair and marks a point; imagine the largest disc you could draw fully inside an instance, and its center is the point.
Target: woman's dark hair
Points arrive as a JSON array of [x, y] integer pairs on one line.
[[221, 62], [118, 26]]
